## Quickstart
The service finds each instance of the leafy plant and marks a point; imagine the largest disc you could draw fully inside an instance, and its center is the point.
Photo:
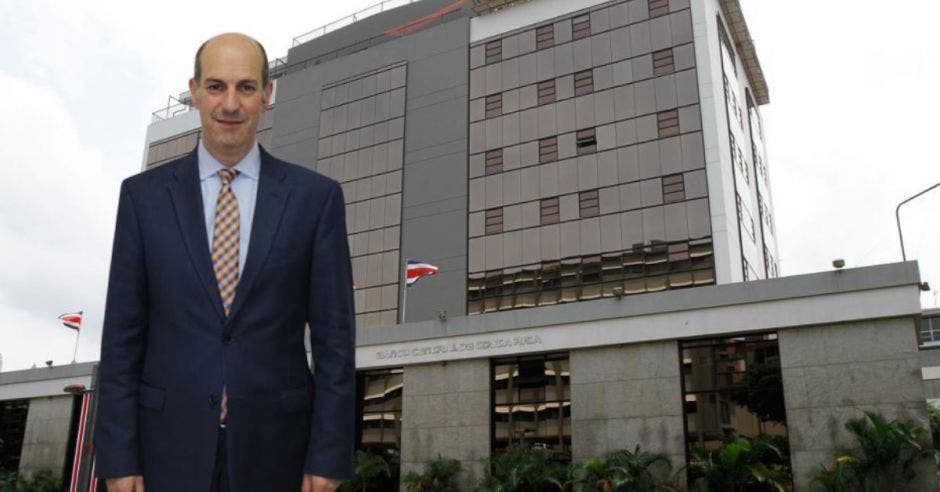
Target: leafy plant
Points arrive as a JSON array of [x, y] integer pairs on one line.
[[883, 460], [620, 471], [738, 464], [524, 468], [369, 473], [42, 481], [439, 475], [933, 414]]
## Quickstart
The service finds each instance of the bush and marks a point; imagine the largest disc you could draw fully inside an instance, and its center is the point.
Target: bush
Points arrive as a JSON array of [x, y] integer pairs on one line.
[[523, 468], [740, 464], [620, 471], [370, 471], [439, 475], [42, 481], [883, 460]]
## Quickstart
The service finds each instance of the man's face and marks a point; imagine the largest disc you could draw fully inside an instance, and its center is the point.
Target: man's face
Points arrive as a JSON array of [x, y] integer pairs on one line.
[[230, 98]]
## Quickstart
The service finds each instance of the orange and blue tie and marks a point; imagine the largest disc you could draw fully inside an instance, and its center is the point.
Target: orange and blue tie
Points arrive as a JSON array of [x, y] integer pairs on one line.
[[225, 233]]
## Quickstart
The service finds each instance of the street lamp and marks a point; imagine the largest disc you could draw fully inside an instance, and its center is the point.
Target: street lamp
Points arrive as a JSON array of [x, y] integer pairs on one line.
[[897, 216]]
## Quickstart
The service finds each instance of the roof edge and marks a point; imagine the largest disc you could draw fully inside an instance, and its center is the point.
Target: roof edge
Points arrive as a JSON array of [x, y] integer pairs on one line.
[[745, 45]]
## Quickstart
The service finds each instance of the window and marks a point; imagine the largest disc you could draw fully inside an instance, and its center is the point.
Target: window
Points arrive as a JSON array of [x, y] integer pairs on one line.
[[732, 387], [12, 429], [658, 7], [668, 122], [546, 91], [663, 62], [581, 26], [641, 269], [549, 210], [494, 161], [548, 149], [379, 426], [586, 141], [494, 51], [673, 188], [930, 330], [494, 220], [494, 105], [588, 203], [532, 403], [584, 82], [545, 36]]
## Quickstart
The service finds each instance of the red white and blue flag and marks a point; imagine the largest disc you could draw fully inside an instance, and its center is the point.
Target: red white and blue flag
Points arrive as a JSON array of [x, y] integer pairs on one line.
[[72, 320], [417, 269]]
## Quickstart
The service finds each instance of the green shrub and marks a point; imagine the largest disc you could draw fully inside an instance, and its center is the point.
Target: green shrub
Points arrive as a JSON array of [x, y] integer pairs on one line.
[[42, 481], [883, 459], [740, 464], [620, 471], [370, 471], [439, 475], [523, 468]]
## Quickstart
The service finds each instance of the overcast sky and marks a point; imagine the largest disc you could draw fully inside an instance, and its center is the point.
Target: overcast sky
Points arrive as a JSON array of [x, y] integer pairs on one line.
[[851, 129]]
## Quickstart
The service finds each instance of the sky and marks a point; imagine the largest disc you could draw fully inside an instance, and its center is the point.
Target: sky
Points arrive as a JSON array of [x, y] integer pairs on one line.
[[851, 131]]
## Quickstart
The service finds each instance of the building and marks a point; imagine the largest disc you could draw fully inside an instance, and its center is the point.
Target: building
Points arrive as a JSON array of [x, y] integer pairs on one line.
[[590, 178]]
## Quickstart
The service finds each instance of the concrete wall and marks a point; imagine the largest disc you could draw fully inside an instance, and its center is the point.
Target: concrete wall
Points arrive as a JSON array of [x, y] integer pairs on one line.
[[832, 373], [622, 396], [45, 442], [446, 411]]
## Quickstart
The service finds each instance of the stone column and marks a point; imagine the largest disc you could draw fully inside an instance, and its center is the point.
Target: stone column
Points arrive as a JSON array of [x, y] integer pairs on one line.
[[833, 373], [622, 396], [446, 412], [45, 440]]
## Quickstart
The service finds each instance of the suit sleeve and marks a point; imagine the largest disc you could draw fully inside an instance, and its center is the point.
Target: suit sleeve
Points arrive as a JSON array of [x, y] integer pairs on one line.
[[122, 348], [331, 316]]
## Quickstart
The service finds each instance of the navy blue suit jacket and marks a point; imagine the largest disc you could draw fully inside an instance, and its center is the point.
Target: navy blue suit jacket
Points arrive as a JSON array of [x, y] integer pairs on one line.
[[167, 346]]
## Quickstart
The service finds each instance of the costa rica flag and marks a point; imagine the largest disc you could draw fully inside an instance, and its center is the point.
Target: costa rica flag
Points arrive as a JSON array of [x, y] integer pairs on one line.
[[417, 269], [72, 320]]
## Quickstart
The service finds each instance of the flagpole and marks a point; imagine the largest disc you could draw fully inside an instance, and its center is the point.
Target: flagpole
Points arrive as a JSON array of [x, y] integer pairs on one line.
[[78, 333], [404, 300]]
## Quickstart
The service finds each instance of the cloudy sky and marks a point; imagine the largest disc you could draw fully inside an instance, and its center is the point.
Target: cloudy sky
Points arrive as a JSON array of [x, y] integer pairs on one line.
[[851, 130]]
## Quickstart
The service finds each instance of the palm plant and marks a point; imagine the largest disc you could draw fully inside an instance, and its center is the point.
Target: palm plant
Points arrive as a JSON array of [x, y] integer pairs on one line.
[[439, 475], [523, 467], [884, 460], [739, 464], [619, 471], [369, 472]]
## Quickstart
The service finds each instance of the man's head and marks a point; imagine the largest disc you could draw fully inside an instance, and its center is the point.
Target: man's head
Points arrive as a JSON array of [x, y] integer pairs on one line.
[[230, 88]]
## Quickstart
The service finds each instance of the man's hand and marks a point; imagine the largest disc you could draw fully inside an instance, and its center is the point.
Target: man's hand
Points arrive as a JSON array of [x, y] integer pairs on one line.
[[313, 483], [126, 484]]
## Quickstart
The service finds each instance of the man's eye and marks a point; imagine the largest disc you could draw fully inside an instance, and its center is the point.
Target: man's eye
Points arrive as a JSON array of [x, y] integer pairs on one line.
[[248, 88], [213, 87]]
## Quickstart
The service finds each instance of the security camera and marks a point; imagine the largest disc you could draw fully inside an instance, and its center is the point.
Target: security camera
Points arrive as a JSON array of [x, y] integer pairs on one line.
[[442, 315], [838, 263]]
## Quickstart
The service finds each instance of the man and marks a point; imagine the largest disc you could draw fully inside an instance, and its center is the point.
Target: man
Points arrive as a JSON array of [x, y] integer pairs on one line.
[[220, 258]]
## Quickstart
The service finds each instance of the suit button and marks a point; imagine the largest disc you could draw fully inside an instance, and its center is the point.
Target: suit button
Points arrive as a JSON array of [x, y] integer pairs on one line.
[[213, 400], [226, 339]]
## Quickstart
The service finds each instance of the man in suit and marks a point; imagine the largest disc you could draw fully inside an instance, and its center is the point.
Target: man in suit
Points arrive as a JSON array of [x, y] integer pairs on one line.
[[220, 258]]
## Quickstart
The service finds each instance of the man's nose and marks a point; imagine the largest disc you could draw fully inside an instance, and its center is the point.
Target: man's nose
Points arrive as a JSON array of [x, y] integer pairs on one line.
[[230, 101]]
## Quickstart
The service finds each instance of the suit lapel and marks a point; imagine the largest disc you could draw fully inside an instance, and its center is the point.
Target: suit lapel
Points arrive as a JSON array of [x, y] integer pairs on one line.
[[186, 195], [272, 195]]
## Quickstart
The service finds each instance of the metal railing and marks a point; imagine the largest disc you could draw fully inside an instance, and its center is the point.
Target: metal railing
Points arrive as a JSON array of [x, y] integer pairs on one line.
[[349, 19], [173, 107]]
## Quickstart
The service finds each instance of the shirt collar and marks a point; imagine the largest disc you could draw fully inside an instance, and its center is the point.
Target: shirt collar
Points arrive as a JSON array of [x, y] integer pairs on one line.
[[249, 166]]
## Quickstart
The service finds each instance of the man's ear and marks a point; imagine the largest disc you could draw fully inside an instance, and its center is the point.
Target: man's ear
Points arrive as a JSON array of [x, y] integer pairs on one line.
[[266, 95], [192, 89]]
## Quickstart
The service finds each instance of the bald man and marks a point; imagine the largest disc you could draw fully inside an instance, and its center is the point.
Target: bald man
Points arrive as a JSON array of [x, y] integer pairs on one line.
[[220, 259]]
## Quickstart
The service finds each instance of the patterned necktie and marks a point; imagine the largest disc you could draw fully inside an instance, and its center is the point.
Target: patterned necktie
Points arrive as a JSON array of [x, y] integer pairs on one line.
[[225, 253], [225, 240]]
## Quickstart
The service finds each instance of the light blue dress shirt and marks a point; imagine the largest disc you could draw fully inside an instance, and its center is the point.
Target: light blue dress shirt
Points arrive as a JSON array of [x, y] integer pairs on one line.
[[245, 187]]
